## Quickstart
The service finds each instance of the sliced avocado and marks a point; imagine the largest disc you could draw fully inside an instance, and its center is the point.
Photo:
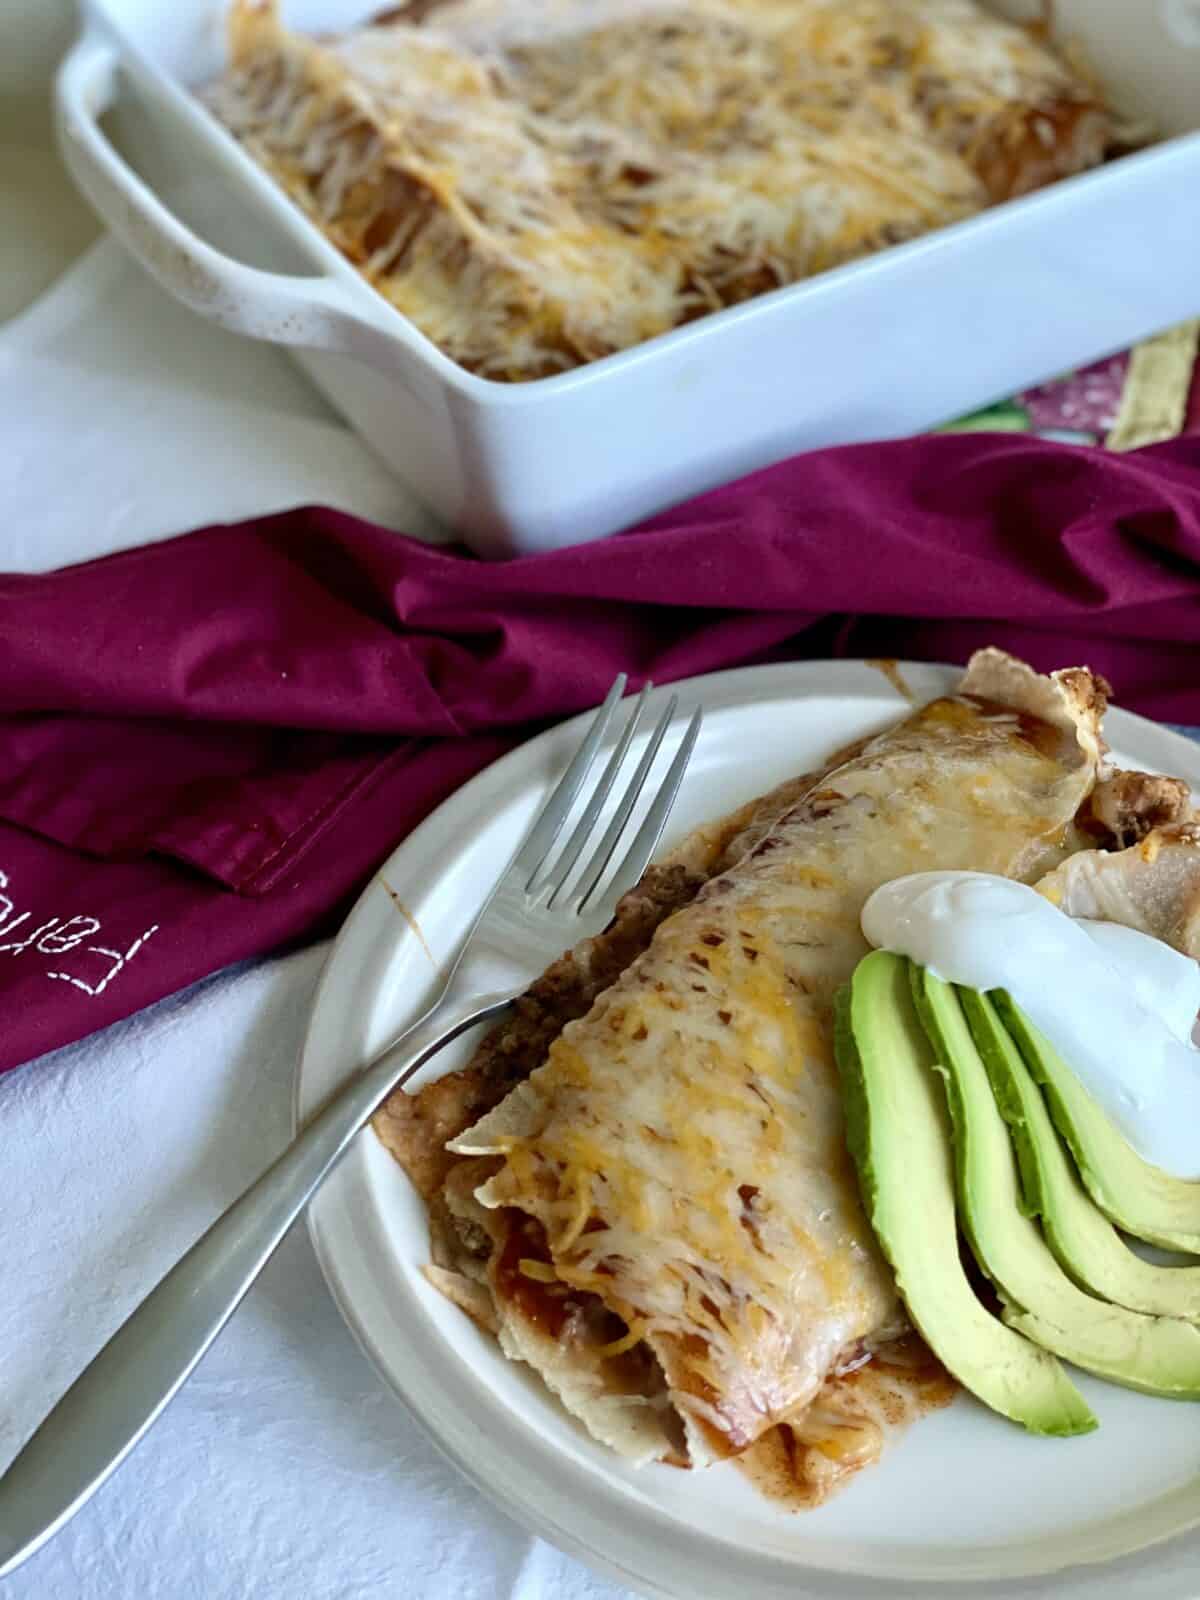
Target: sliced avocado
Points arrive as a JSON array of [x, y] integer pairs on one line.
[[1156, 1355], [899, 1136], [1082, 1238], [1141, 1199]]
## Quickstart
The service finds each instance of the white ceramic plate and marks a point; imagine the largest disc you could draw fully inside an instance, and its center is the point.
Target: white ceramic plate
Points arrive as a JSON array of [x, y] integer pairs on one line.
[[963, 1499]]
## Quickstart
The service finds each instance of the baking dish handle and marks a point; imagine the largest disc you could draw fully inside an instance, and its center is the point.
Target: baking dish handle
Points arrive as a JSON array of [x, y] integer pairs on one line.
[[316, 312]]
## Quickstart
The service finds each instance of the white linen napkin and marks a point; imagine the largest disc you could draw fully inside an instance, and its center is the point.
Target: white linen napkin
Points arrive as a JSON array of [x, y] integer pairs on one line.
[[285, 1470], [125, 419]]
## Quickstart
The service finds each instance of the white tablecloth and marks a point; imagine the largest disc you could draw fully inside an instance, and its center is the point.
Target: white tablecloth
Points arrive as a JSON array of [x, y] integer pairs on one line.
[[285, 1470]]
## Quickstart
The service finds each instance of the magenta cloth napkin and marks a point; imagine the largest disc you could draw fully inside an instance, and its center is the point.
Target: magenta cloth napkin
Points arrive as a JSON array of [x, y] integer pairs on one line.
[[208, 745]]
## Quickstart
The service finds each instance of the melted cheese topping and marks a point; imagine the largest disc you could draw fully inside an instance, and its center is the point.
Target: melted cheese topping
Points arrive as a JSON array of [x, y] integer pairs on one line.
[[848, 1425], [683, 1145], [537, 183]]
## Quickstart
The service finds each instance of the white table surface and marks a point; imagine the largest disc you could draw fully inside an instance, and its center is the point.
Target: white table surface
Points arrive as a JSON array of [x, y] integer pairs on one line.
[[285, 1470]]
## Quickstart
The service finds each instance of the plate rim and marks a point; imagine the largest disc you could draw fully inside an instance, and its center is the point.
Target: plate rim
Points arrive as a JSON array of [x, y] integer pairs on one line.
[[846, 677]]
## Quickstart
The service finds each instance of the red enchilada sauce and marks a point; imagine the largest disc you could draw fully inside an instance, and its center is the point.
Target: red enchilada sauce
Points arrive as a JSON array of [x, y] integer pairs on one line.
[[797, 1466], [548, 1305], [849, 1425], [573, 1316]]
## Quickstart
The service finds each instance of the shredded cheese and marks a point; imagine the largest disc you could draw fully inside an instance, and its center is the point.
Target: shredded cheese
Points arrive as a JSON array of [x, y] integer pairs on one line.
[[691, 1171], [538, 183], [618, 1347], [538, 1271]]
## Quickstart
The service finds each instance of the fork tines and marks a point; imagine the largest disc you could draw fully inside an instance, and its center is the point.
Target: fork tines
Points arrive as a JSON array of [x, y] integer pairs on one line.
[[545, 878]]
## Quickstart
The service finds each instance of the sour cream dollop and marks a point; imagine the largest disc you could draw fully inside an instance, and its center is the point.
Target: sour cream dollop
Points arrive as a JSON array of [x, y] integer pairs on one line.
[[1118, 1005]]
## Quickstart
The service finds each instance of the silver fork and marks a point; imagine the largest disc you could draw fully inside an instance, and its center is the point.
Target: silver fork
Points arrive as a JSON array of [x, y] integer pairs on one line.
[[539, 907]]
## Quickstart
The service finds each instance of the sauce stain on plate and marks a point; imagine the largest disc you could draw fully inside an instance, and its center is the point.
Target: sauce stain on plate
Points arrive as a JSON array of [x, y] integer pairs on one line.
[[413, 924], [894, 676]]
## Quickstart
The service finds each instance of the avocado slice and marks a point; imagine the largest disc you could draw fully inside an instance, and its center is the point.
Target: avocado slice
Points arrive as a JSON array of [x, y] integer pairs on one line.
[[1139, 1198], [1082, 1238], [1156, 1355], [899, 1137]]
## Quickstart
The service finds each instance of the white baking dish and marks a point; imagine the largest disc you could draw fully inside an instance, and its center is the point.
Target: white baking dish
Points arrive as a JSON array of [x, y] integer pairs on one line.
[[887, 346]]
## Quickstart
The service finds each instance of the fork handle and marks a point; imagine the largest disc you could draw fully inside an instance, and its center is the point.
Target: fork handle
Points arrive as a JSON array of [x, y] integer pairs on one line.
[[124, 1390]]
